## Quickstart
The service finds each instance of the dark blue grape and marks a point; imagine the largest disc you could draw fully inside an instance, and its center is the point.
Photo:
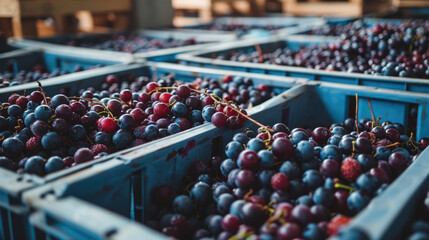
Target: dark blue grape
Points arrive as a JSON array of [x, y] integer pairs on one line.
[[241, 138], [312, 179], [356, 201], [122, 139], [126, 121], [35, 165], [233, 149], [255, 144], [330, 151], [12, 147], [201, 193], [224, 202], [264, 178], [367, 183], [51, 141], [290, 169], [78, 132], [102, 138], [179, 109], [305, 200], [266, 158], [227, 166], [151, 132], [207, 113], [54, 164], [15, 111], [312, 231], [323, 196], [183, 205]]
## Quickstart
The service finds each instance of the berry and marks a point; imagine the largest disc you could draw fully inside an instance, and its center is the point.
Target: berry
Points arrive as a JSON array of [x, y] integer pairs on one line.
[[126, 95], [35, 165], [248, 159], [83, 155], [122, 139], [107, 125], [98, 148], [282, 148], [126, 121], [54, 164], [350, 169], [51, 141], [230, 223], [183, 91], [219, 119], [398, 161], [280, 182], [161, 110]]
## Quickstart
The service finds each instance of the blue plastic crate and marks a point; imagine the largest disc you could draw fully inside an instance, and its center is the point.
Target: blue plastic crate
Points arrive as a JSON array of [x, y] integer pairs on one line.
[[24, 59], [161, 55], [4, 47], [13, 214], [203, 58], [386, 216], [124, 186], [286, 24], [364, 21]]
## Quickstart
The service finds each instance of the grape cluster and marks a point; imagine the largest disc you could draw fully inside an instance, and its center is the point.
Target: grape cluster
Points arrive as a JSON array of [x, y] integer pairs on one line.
[[340, 28], [40, 134], [131, 43], [240, 29], [382, 50], [282, 184], [38, 72]]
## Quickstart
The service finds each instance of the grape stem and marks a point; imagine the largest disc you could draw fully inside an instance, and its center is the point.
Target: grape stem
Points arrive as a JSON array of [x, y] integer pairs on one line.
[[89, 139], [392, 145], [96, 101], [339, 185], [410, 140], [370, 108], [278, 217], [246, 197], [43, 92], [260, 55], [249, 118], [356, 115]]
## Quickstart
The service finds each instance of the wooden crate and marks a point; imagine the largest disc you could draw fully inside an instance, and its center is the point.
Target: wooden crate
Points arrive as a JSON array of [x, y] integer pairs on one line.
[[25, 13], [411, 3], [350, 8], [209, 8]]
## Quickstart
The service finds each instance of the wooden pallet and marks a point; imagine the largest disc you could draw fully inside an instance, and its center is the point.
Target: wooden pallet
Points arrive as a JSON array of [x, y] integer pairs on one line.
[[350, 8], [25, 13]]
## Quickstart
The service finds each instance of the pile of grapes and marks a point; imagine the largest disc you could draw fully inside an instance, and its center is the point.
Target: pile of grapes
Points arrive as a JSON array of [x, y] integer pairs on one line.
[[282, 184], [131, 43], [240, 29], [38, 72], [382, 50], [40, 135]]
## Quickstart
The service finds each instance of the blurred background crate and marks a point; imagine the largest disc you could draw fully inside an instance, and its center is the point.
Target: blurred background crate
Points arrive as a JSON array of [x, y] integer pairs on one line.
[[344, 8], [411, 3], [48, 17]]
